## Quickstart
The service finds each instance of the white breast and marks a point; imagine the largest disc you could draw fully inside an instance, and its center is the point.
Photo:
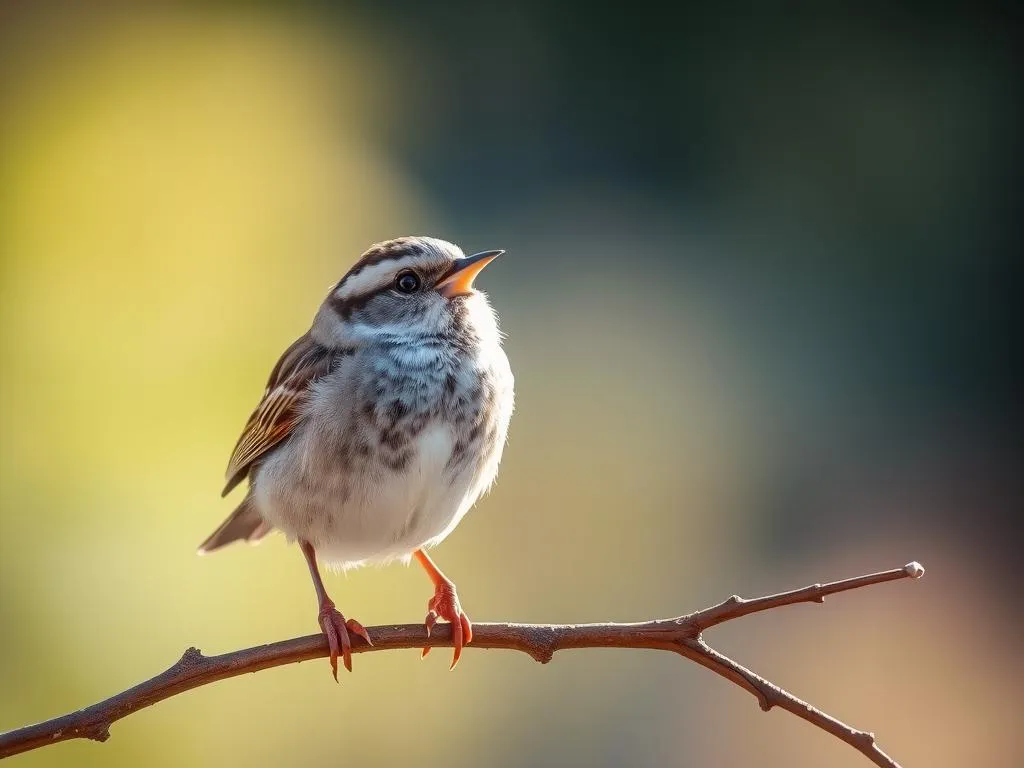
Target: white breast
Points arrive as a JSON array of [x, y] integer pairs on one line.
[[416, 504], [379, 515], [339, 482]]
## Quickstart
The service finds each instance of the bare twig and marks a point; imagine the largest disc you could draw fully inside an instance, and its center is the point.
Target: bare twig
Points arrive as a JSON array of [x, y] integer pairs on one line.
[[681, 635]]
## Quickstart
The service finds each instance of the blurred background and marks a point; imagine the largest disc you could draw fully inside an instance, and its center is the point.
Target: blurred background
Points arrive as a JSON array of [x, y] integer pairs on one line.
[[762, 299]]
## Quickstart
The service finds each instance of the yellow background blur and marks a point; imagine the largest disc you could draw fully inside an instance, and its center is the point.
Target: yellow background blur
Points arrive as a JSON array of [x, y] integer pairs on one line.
[[179, 189]]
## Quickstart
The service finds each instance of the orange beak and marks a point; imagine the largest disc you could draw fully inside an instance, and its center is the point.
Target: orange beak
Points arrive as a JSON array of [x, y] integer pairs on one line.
[[459, 281]]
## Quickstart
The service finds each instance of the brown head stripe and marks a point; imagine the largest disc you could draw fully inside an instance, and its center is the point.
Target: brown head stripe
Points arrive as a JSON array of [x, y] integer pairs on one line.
[[387, 251], [345, 307]]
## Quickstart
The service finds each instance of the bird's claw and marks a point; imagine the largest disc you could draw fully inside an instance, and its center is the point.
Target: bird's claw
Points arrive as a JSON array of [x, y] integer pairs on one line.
[[445, 605], [337, 628]]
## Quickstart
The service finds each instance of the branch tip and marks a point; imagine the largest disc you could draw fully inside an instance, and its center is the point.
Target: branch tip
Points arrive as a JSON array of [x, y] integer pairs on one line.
[[914, 570]]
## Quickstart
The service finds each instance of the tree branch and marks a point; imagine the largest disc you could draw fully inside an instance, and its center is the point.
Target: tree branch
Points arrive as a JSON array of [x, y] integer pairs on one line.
[[683, 635]]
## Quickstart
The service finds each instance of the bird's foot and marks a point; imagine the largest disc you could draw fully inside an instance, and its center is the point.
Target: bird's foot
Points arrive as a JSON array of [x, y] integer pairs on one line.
[[445, 605], [336, 627]]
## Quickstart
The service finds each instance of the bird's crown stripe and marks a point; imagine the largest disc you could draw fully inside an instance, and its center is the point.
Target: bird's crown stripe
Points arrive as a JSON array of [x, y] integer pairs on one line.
[[373, 277]]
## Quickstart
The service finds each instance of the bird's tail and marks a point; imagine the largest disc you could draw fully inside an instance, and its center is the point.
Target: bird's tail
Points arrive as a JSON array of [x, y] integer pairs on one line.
[[244, 524]]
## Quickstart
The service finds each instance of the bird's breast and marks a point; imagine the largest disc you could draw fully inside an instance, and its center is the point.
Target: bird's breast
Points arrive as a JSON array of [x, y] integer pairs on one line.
[[394, 451]]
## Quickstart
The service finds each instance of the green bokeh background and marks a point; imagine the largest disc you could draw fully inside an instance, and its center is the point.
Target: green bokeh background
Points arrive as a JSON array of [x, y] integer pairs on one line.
[[761, 297]]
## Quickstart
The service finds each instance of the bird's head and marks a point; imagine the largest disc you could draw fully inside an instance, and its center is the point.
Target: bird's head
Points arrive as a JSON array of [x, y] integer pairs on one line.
[[407, 288]]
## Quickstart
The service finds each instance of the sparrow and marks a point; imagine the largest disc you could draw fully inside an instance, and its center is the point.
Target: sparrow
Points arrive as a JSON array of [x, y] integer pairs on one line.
[[380, 427]]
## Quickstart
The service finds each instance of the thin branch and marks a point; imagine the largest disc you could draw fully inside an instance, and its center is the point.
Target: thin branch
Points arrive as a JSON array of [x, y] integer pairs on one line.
[[681, 635]]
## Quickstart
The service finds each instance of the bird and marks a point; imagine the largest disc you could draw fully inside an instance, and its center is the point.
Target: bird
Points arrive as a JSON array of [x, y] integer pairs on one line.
[[380, 427]]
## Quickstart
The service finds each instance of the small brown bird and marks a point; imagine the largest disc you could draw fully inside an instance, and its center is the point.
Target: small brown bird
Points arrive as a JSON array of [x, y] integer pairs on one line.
[[380, 426]]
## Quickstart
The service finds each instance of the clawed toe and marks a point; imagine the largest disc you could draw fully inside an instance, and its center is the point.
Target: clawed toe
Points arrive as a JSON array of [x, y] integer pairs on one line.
[[337, 628], [445, 605]]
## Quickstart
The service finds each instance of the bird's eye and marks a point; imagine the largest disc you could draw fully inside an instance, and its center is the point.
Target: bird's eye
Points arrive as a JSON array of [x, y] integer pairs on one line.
[[407, 282]]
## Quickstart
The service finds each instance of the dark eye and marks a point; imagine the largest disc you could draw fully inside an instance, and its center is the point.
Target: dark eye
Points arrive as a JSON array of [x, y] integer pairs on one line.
[[407, 282]]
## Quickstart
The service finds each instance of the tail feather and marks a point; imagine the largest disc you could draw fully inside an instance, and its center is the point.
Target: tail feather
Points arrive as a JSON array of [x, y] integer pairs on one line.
[[243, 524]]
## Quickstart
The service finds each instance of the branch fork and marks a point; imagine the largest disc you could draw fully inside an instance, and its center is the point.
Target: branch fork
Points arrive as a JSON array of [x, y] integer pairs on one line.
[[682, 635]]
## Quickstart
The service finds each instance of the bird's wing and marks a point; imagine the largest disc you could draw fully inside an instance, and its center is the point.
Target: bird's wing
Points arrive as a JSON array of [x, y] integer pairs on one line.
[[280, 410]]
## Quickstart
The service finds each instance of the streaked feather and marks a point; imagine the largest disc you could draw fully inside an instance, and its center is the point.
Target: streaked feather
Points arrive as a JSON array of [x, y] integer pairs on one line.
[[281, 407]]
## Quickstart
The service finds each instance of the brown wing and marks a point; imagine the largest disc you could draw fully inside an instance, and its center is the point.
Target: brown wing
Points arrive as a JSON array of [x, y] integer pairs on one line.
[[281, 407]]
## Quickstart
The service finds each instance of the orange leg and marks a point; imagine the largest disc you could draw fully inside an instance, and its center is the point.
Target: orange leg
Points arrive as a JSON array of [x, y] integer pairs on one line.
[[334, 625], [445, 605]]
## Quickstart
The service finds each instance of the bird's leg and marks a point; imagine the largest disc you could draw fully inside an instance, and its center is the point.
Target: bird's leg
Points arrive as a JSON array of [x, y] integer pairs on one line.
[[445, 605], [335, 626]]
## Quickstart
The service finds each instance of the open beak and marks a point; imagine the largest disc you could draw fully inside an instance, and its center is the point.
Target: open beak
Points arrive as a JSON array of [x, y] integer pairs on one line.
[[459, 281]]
